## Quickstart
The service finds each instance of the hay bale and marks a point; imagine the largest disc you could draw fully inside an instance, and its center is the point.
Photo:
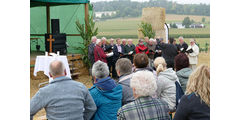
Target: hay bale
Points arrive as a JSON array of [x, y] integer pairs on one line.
[[140, 34], [156, 17]]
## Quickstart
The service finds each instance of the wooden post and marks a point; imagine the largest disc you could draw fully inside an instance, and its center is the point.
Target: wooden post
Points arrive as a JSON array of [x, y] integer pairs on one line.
[[50, 39], [86, 15], [48, 17]]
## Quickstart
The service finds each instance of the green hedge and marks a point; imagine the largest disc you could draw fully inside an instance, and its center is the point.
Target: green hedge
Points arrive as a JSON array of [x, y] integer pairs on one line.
[[171, 35], [190, 35]]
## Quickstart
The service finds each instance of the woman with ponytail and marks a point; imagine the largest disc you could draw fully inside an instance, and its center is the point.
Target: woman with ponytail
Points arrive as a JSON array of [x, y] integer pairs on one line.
[[166, 78]]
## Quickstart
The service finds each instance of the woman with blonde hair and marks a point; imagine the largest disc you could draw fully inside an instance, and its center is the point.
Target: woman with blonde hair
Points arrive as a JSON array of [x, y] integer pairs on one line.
[[166, 78], [195, 104]]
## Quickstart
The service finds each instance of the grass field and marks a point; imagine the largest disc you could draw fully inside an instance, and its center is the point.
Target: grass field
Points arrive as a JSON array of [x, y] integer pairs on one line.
[[129, 26]]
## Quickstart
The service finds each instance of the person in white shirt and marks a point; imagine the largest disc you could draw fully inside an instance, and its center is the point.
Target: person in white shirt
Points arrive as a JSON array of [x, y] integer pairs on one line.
[[193, 55]]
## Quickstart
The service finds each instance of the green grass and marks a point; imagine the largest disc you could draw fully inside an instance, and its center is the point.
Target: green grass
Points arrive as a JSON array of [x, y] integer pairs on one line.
[[189, 31], [129, 26]]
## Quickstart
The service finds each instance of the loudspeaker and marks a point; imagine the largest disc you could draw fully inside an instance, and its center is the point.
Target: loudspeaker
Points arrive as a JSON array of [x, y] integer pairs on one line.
[[55, 26], [59, 43]]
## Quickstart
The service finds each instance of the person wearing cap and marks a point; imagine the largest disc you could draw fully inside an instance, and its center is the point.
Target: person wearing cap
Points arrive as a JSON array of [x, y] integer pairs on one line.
[[192, 52], [141, 48], [106, 93]]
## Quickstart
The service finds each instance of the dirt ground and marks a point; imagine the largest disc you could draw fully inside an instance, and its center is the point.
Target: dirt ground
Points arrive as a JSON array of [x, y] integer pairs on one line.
[[204, 58]]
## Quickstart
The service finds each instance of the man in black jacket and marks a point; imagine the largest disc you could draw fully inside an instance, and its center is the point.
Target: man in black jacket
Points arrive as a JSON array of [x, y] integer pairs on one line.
[[182, 47], [169, 51], [118, 51]]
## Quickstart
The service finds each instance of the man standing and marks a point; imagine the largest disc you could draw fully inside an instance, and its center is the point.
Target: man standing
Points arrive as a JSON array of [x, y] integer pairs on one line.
[[129, 50], [193, 51], [91, 49], [182, 47], [110, 59], [118, 51], [169, 51], [124, 42], [112, 42], [152, 48], [104, 45], [63, 98], [158, 48]]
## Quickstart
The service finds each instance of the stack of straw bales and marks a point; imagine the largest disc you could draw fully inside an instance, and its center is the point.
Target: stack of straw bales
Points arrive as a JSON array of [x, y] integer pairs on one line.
[[156, 17]]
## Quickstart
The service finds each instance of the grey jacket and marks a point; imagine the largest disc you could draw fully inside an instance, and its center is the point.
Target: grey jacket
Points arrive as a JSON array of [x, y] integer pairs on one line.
[[183, 75], [63, 99], [127, 93], [166, 87]]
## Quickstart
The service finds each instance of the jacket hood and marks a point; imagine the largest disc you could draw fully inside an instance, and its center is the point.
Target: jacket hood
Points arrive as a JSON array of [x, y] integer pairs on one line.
[[105, 83], [114, 94], [170, 74], [185, 72]]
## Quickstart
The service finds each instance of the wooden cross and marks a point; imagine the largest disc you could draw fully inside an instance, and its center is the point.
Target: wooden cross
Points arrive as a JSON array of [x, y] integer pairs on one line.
[[50, 39]]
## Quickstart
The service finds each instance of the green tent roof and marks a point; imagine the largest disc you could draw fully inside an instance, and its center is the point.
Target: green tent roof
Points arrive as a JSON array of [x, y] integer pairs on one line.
[[35, 3]]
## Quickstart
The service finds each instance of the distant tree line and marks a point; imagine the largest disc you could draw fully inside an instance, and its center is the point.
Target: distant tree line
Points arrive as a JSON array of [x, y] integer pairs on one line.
[[127, 8]]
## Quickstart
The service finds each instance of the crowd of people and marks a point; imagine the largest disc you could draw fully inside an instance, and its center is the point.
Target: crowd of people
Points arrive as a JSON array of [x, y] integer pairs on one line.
[[130, 83], [109, 53]]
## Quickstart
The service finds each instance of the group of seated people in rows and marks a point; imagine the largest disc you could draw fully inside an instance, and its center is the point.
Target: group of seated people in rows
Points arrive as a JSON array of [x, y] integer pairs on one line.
[[140, 93], [100, 49]]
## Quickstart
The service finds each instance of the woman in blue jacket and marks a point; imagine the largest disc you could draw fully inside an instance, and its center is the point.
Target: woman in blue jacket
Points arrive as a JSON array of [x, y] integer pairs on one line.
[[106, 94]]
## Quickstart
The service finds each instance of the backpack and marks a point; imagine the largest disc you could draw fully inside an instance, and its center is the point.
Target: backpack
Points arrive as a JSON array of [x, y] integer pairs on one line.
[[179, 93]]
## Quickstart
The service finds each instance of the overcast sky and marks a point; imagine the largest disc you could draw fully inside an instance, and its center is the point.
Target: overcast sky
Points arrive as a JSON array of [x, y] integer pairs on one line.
[[178, 1]]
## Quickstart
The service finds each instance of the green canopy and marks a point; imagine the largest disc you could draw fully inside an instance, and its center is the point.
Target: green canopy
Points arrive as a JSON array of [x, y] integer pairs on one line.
[[67, 11], [34, 3]]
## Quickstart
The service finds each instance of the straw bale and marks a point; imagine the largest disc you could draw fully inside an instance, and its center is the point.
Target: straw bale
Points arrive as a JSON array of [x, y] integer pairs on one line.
[[156, 17]]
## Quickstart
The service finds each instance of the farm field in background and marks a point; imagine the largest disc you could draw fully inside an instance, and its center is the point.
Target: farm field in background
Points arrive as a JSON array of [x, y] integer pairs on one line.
[[129, 26]]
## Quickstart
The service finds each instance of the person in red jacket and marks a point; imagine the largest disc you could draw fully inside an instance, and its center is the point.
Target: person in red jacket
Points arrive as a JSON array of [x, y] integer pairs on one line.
[[99, 53], [141, 48]]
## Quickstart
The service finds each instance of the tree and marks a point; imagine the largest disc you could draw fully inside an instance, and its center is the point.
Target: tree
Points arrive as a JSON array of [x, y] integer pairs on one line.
[[86, 35], [192, 21], [147, 30], [203, 19], [173, 25], [186, 22]]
